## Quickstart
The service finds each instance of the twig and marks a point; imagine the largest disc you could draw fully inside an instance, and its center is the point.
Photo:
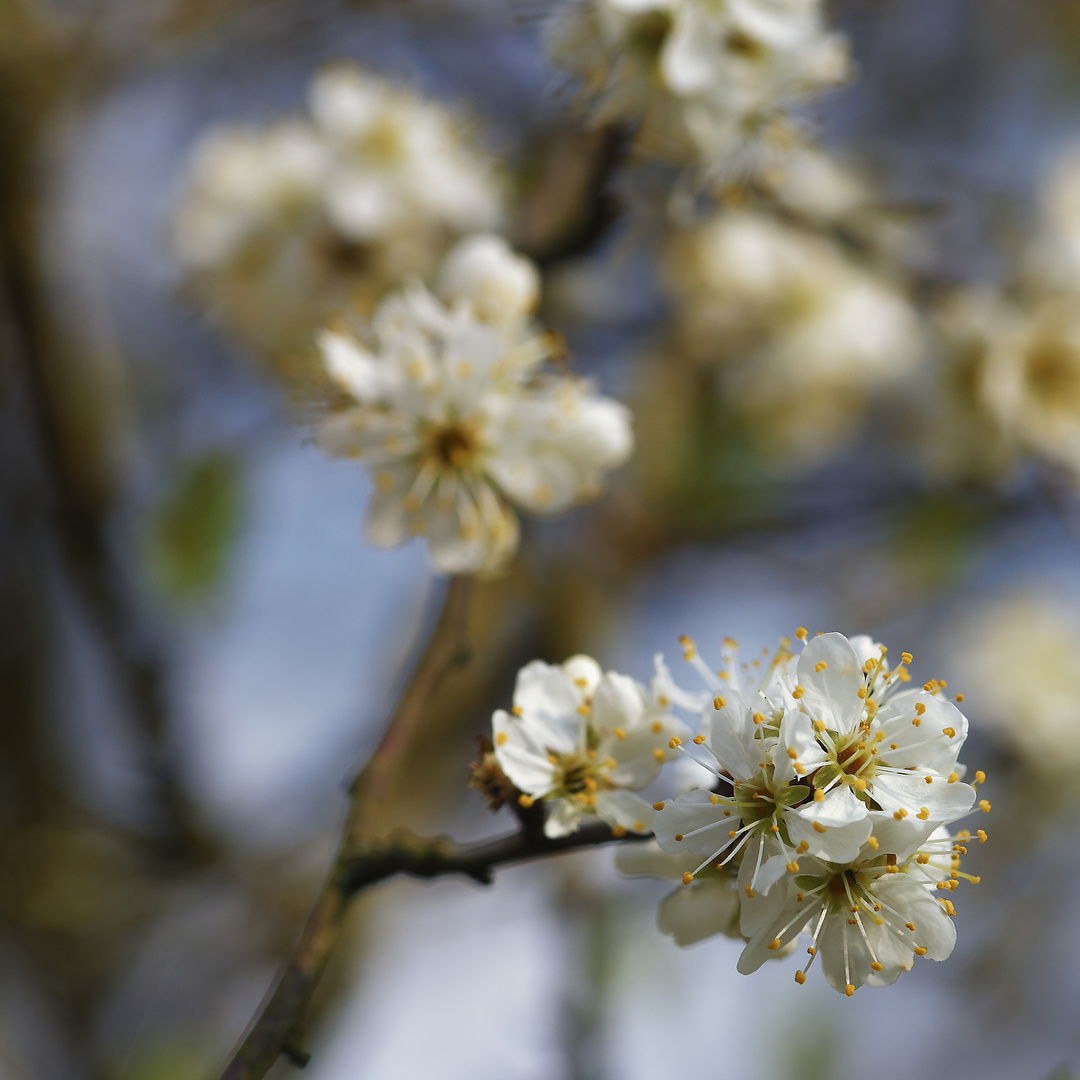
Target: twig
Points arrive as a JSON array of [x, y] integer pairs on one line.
[[278, 1027]]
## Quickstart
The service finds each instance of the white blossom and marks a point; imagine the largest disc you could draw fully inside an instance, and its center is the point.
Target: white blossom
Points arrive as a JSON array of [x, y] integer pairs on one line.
[[806, 757], [585, 741], [708, 79], [459, 422], [281, 225], [870, 916], [802, 335]]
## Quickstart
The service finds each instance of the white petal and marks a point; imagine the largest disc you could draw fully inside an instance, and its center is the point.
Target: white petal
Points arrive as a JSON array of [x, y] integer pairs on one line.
[[618, 702], [688, 813], [625, 809], [909, 791], [523, 760], [549, 702], [694, 912], [843, 825], [564, 819], [832, 693]]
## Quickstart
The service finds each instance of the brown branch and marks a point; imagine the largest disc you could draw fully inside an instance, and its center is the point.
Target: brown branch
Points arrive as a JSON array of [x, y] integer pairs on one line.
[[277, 1028]]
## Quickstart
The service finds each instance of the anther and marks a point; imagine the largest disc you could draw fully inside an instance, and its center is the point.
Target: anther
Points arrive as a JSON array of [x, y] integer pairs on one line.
[[984, 806], [699, 739], [906, 658], [798, 692], [619, 733], [675, 742], [876, 965], [953, 777], [820, 666], [501, 738], [687, 878], [792, 753], [819, 795], [800, 977], [526, 801], [658, 806], [849, 990], [774, 944], [678, 837], [517, 710], [802, 633], [658, 753], [980, 777], [920, 950], [719, 702]]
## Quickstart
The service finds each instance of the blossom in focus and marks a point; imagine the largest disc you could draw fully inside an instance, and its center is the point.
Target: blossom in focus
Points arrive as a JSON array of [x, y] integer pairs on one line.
[[870, 916], [585, 741], [1005, 648], [831, 773], [279, 226], [803, 336], [711, 82], [450, 407]]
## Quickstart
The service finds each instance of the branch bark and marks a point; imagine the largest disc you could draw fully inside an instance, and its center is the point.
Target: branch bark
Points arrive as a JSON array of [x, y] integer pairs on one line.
[[278, 1027]]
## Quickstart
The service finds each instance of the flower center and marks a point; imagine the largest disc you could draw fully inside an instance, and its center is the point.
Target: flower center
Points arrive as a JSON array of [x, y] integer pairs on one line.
[[1053, 374], [580, 776], [453, 445], [382, 143]]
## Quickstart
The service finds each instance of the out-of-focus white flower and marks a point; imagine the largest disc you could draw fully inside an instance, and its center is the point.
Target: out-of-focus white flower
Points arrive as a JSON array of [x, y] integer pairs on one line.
[[806, 335], [397, 162], [870, 916], [1033, 383], [961, 436], [709, 905], [1052, 260], [706, 78], [281, 226], [457, 421], [1018, 661], [482, 270], [585, 741]]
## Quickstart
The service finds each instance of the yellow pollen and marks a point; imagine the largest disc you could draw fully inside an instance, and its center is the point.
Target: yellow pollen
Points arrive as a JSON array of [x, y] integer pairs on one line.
[[929, 779], [674, 742], [793, 867], [820, 666], [639, 826], [719, 702], [980, 777], [678, 837], [916, 722], [658, 806], [687, 878], [581, 683], [849, 990], [792, 753], [699, 739], [953, 777], [590, 783], [920, 950], [723, 675], [584, 709], [910, 926], [923, 814], [959, 697], [930, 686], [501, 738], [819, 795], [656, 727], [860, 783], [982, 836], [662, 701], [818, 827], [892, 868], [984, 806], [517, 710], [658, 753], [811, 950], [758, 718], [922, 858], [862, 693], [920, 708], [876, 966], [949, 732], [619, 733], [750, 892], [618, 831], [775, 829], [800, 977], [869, 666], [900, 814], [526, 801], [714, 799], [803, 848], [873, 842], [774, 944], [906, 658], [893, 746], [802, 633], [798, 692], [732, 833]]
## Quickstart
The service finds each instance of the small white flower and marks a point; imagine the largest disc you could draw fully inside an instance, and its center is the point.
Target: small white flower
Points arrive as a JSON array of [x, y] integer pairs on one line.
[[457, 421], [823, 742], [870, 916], [584, 742], [482, 270], [706, 79], [396, 161], [709, 905]]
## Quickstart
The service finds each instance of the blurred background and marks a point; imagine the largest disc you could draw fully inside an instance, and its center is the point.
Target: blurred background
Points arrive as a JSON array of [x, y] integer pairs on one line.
[[856, 388]]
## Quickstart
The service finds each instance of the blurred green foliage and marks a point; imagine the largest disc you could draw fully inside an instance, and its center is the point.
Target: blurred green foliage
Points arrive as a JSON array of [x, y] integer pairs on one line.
[[190, 535]]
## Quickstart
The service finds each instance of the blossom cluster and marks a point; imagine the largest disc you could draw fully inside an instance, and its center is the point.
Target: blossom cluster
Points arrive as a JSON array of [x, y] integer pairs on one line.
[[284, 223], [449, 404], [833, 785], [710, 83]]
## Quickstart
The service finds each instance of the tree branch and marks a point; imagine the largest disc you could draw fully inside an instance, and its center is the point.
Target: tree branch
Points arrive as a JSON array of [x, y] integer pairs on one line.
[[278, 1027]]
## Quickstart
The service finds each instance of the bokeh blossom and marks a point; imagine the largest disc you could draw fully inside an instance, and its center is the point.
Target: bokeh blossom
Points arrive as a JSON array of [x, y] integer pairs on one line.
[[450, 406]]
